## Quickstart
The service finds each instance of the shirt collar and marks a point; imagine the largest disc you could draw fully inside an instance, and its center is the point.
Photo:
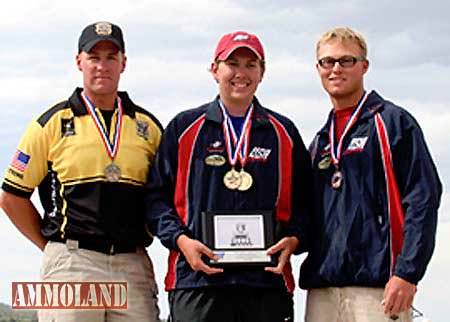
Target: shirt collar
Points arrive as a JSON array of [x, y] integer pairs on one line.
[[78, 107], [373, 104], [259, 118]]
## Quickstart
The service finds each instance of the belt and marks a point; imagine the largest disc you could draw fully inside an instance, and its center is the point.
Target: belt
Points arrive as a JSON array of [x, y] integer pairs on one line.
[[99, 246]]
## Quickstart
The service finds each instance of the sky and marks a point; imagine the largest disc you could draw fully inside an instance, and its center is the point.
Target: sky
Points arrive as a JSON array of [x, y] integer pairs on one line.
[[170, 44]]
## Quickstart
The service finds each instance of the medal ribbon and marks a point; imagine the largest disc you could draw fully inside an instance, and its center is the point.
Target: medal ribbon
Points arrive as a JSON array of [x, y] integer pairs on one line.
[[336, 156], [241, 143], [111, 147], [243, 152]]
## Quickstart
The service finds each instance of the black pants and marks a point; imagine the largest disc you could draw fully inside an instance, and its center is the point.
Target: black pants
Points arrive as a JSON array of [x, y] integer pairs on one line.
[[231, 304]]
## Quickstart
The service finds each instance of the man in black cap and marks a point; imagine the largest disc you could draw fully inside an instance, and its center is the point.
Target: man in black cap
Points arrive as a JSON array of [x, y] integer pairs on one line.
[[89, 157]]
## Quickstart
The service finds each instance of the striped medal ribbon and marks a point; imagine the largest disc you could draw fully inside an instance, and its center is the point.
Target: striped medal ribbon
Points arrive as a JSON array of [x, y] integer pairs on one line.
[[336, 152], [112, 171], [233, 179]]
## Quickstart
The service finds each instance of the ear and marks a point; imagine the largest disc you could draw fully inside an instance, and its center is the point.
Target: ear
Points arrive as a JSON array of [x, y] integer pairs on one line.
[[78, 61], [365, 66], [124, 63], [262, 74], [213, 70]]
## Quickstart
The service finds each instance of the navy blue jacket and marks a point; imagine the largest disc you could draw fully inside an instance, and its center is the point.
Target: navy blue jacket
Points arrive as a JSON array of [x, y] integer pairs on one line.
[[382, 220], [182, 186]]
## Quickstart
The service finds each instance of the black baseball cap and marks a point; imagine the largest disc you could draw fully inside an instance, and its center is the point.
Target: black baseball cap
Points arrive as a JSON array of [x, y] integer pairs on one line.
[[100, 31]]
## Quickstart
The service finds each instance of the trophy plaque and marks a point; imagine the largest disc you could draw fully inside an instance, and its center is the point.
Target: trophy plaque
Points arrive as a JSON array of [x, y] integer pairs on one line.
[[239, 238]]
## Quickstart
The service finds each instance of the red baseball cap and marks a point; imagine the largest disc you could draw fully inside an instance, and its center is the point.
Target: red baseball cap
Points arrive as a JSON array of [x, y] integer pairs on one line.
[[230, 42]]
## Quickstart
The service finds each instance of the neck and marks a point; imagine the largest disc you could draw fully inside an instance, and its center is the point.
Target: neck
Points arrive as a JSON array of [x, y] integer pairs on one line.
[[237, 108], [103, 102], [342, 103]]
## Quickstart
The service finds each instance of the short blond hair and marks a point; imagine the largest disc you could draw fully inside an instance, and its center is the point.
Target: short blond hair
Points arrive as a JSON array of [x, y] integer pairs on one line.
[[343, 34]]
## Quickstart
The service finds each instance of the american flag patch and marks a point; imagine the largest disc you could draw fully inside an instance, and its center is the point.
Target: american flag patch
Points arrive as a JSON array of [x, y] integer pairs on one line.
[[20, 161]]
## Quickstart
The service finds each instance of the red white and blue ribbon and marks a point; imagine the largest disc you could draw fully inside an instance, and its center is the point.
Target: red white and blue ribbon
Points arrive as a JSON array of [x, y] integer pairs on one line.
[[337, 152], [111, 147], [240, 144]]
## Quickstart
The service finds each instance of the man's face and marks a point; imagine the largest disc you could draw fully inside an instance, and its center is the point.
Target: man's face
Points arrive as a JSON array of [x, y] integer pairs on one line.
[[239, 76], [341, 82], [101, 68]]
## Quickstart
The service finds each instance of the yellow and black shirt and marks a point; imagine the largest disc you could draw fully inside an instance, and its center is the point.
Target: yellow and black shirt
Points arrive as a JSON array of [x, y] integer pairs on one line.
[[63, 155]]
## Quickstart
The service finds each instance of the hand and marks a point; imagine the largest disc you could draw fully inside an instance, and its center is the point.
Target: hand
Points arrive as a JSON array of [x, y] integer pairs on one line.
[[287, 246], [398, 296], [193, 250]]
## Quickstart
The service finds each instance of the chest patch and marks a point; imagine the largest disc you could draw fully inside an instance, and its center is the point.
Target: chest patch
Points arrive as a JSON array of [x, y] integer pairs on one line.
[[324, 163], [215, 160], [215, 146], [259, 154], [142, 129], [357, 144], [67, 127]]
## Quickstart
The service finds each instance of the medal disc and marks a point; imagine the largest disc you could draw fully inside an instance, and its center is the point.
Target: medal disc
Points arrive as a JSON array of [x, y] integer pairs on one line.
[[336, 179], [232, 179], [112, 173], [246, 181]]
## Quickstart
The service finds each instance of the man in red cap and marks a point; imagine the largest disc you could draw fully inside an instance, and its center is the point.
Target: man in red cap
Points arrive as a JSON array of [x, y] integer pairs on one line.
[[89, 157], [227, 197]]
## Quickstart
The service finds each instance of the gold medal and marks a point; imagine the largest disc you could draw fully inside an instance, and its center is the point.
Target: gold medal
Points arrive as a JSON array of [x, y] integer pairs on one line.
[[246, 181], [232, 179], [112, 173], [336, 179]]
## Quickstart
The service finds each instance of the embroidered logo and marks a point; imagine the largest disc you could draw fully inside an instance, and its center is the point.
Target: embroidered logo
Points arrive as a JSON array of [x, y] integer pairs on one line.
[[259, 154], [240, 37], [142, 129], [103, 29], [67, 127], [324, 163], [216, 146], [215, 160], [357, 144]]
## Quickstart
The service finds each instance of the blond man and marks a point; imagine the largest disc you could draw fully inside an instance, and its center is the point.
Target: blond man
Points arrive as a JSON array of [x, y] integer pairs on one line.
[[376, 197]]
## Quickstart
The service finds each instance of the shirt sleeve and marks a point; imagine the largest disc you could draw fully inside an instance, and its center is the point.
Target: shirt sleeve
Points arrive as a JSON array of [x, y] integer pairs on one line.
[[29, 163]]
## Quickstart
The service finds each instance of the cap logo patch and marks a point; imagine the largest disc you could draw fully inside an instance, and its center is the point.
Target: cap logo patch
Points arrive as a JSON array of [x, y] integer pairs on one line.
[[240, 37], [103, 29]]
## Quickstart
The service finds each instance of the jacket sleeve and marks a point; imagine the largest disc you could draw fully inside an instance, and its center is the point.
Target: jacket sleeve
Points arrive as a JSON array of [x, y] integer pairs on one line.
[[301, 186], [161, 216], [420, 191]]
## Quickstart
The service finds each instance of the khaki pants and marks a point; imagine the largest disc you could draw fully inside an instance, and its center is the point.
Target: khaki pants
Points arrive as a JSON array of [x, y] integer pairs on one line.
[[348, 304], [80, 265]]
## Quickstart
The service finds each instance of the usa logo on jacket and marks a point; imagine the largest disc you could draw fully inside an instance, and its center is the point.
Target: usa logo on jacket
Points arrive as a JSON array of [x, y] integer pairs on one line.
[[357, 144]]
